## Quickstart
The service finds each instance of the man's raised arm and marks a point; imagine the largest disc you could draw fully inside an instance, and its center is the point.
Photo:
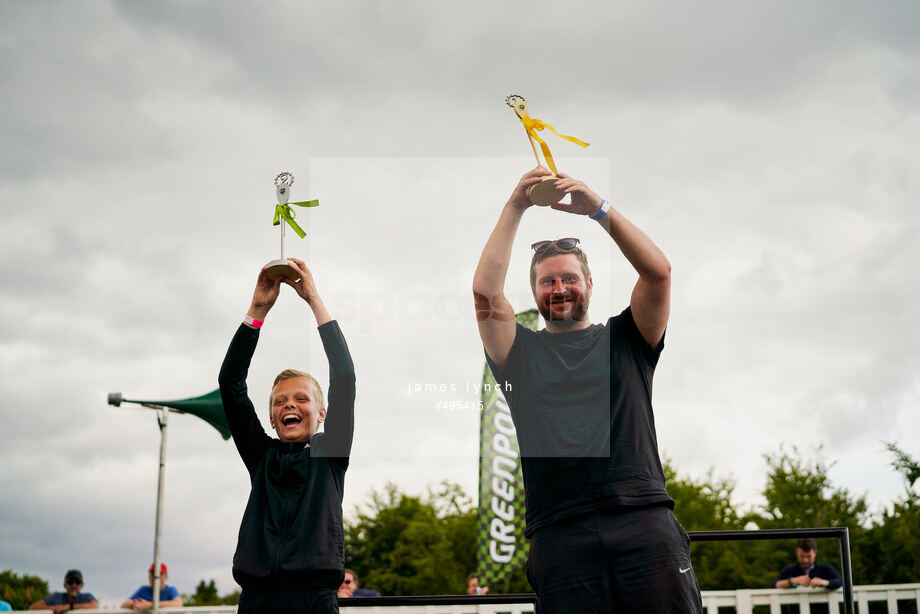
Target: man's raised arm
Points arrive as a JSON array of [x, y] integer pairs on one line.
[[494, 312], [651, 298]]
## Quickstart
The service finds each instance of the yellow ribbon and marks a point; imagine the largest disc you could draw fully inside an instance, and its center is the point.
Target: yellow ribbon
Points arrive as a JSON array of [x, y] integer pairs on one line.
[[532, 126], [285, 211]]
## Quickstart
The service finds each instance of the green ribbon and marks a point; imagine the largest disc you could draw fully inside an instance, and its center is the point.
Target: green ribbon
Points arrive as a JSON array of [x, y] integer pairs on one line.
[[285, 211]]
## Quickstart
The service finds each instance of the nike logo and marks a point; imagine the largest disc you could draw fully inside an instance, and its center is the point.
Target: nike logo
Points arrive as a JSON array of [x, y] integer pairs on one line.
[[684, 570]]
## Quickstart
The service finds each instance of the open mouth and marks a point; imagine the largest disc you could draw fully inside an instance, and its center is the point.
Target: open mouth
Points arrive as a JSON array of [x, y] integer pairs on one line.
[[291, 420]]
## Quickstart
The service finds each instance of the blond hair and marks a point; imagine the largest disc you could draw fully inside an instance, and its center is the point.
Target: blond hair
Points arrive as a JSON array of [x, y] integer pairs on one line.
[[294, 374]]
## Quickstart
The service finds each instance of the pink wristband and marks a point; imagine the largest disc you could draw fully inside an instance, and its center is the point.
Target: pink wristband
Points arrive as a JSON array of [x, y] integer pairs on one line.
[[253, 322]]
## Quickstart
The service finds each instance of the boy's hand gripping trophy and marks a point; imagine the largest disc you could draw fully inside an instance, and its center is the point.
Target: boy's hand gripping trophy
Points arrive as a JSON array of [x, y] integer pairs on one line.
[[283, 183], [545, 192]]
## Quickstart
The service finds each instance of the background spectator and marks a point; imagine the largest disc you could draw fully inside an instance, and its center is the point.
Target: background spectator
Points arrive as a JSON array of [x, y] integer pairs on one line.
[[70, 599], [142, 599], [807, 572], [350, 588], [472, 585]]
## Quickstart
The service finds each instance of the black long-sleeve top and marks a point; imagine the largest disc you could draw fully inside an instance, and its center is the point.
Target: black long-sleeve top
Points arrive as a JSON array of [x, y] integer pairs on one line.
[[291, 534], [818, 570]]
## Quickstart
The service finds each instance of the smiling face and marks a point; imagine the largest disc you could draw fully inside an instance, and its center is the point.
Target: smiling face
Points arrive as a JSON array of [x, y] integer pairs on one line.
[[561, 291], [296, 409]]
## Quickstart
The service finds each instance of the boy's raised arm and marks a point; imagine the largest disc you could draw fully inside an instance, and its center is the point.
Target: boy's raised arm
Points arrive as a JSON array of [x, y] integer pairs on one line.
[[340, 413], [248, 435]]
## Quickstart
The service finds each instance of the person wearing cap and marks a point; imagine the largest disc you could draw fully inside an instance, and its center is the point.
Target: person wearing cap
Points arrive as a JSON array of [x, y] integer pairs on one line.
[[70, 599], [142, 599], [602, 534]]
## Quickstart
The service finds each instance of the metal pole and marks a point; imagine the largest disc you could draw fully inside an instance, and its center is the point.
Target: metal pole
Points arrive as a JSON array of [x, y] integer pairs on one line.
[[282, 237], [847, 571], [841, 533], [161, 419]]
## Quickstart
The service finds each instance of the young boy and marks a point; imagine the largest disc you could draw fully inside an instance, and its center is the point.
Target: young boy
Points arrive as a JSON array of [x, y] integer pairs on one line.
[[289, 555]]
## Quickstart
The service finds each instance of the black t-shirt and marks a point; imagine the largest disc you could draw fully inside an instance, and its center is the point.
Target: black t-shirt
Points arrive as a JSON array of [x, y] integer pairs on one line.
[[582, 407]]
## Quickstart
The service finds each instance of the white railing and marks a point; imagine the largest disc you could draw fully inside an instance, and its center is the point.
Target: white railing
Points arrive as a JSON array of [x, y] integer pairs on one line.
[[504, 608], [743, 601]]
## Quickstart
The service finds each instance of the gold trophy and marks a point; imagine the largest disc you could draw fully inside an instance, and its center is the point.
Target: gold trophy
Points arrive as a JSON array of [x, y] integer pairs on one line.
[[544, 193]]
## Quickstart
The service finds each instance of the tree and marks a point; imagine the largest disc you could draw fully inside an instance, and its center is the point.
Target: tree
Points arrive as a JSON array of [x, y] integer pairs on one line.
[[702, 504], [799, 495], [206, 594], [889, 550], [405, 545], [21, 591], [905, 464], [706, 505]]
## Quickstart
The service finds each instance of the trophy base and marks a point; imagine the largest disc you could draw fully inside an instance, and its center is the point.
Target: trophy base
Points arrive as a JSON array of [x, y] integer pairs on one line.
[[545, 193], [280, 268]]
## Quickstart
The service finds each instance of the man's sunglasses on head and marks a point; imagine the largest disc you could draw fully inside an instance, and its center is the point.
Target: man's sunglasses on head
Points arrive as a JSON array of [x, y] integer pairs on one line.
[[567, 243]]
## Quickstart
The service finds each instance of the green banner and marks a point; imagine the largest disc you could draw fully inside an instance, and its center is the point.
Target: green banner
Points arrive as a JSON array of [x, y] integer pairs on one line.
[[501, 544]]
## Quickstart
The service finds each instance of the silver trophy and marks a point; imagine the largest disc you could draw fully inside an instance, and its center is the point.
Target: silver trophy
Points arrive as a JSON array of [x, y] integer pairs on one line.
[[284, 215]]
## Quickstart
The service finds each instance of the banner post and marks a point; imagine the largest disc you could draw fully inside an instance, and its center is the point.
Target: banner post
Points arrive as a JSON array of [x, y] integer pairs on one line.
[[501, 545]]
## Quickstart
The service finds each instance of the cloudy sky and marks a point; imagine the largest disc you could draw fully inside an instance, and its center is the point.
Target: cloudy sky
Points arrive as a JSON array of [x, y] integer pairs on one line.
[[765, 147]]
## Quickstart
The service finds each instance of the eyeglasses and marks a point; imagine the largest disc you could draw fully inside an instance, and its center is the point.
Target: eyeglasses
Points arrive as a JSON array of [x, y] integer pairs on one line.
[[346, 581], [567, 243], [74, 582]]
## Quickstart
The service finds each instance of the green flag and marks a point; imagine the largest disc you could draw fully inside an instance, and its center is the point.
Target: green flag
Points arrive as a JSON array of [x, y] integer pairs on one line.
[[501, 543], [208, 407]]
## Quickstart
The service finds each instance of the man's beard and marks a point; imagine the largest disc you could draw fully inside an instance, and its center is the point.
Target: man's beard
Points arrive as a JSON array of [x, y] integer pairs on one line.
[[577, 311]]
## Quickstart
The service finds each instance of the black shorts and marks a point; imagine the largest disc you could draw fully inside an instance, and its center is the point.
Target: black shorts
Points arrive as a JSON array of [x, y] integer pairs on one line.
[[319, 601], [623, 562]]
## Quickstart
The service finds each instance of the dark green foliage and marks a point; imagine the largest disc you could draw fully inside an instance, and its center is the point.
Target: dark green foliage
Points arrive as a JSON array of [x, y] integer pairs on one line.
[[21, 591], [705, 505], [890, 550], [231, 598], [799, 495], [889, 553], [404, 545], [905, 464], [206, 594]]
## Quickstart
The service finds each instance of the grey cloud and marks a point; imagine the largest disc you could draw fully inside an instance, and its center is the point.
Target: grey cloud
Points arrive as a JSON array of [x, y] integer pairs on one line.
[[769, 149]]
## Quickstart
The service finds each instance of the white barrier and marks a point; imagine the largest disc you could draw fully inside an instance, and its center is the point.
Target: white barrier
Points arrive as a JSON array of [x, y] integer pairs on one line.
[[743, 601]]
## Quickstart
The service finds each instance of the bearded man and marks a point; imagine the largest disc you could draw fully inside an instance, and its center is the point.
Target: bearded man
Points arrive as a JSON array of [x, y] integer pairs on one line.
[[603, 537]]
